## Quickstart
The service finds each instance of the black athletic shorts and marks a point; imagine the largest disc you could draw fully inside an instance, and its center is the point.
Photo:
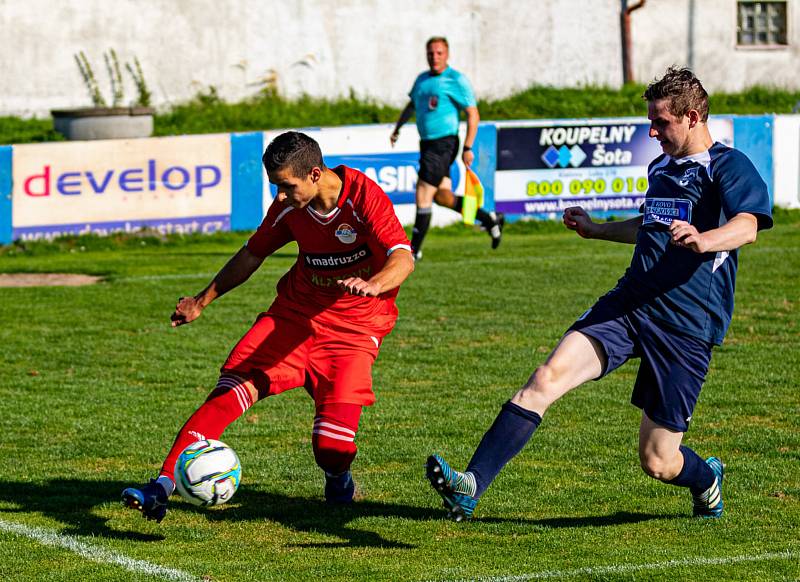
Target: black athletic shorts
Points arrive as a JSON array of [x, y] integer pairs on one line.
[[435, 158]]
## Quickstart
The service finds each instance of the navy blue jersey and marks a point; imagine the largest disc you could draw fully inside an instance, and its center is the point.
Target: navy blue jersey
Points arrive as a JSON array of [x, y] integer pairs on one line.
[[690, 292]]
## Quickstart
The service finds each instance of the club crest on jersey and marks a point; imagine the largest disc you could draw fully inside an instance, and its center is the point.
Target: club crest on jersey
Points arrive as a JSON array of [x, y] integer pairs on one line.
[[346, 234], [690, 175]]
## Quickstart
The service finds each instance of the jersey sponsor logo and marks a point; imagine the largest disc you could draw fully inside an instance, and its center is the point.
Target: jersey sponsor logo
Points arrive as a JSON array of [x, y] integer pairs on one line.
[[323, 281], [665, 210], [346, 233], [332, 261], [433, 102], [689, 176]]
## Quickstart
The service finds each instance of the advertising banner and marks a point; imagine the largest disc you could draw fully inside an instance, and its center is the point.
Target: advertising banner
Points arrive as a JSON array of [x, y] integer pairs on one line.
[[172, 184], [545, 167], [786, 160], [367, 148]]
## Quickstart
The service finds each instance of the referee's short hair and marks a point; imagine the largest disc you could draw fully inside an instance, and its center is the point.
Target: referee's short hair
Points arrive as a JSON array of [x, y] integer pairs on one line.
[[294, 150], [434, 39], [684, 91]]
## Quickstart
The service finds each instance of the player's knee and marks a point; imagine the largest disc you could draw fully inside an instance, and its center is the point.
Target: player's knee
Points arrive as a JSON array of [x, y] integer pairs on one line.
[[542, 382], [535, 394], [334, 445]]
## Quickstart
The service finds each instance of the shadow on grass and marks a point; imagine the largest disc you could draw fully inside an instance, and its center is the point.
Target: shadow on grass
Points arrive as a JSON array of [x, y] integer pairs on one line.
[[71, 502], [618, 518]]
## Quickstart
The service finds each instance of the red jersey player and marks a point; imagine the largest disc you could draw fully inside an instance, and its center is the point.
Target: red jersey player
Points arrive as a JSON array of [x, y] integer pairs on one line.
[[325, 327]]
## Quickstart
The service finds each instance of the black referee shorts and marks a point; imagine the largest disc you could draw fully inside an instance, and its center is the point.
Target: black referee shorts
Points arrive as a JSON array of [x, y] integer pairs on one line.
[[435, 158]]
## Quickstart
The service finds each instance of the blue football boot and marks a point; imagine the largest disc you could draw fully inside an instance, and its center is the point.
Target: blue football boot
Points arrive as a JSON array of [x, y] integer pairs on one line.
[[456, 489], [708, 504], [339, 489], [150, 499]]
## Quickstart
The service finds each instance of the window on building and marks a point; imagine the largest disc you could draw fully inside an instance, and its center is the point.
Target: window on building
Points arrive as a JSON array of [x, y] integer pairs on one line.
[[761, 23]]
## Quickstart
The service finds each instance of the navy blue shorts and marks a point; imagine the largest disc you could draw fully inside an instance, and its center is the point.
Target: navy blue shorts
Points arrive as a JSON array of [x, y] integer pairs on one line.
[[673, 365]]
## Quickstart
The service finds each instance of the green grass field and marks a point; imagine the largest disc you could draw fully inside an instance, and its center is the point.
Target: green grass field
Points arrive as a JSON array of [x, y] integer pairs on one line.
[[95, 384]]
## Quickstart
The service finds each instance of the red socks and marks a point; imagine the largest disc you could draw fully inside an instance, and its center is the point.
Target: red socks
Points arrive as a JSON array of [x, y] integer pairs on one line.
[[227, 402]]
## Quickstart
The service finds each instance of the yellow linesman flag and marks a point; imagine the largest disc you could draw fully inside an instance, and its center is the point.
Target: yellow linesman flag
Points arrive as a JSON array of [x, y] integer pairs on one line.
[[473, 197]]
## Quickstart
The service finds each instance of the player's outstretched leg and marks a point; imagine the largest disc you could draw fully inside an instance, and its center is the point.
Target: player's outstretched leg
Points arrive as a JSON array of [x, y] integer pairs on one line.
[[339, 489], [456, 489], [708, 504], [150, 498]]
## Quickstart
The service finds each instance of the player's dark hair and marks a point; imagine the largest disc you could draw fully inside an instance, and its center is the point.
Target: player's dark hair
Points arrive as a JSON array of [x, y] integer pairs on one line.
[[434, 39], [294, 150], [684, 91]]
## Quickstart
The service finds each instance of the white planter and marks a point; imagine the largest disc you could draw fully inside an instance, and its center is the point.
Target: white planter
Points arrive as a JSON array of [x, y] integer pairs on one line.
[[103, 122]]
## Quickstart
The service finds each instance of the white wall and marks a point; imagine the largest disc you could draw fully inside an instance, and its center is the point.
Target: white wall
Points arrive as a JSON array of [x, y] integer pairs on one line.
[[321, 47], [374, 47], [663, 35]]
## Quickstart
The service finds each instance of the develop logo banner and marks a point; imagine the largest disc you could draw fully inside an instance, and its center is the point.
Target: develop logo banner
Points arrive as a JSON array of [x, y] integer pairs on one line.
[[174, 184]]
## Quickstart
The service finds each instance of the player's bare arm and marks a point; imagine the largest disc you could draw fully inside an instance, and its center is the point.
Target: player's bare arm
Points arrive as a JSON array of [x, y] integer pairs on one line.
[[235, 272], [398, 267], [405, 115], [473, 117], [742, 229], [624, 231]]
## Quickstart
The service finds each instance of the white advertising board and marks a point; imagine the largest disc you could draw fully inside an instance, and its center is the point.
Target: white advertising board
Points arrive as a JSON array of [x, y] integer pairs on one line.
[[786, 160], [171, 184]]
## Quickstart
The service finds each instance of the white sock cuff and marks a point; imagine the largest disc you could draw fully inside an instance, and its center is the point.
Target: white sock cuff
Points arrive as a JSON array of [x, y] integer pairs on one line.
[[167, 484]]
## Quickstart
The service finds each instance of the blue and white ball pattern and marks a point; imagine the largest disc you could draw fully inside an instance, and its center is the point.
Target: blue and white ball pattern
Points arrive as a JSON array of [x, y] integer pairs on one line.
[[208, 472]]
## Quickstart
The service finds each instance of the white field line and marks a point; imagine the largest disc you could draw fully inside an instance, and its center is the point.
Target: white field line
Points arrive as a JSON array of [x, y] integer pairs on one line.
[[164, 277], [628, 568], [96, 553]]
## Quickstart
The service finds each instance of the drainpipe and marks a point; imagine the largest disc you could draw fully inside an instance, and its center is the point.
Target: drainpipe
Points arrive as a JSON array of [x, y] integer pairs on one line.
[[625, 26]]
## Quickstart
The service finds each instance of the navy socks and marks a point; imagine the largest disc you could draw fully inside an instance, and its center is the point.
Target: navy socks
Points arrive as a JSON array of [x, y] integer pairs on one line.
[[696, 474], [507, 436]]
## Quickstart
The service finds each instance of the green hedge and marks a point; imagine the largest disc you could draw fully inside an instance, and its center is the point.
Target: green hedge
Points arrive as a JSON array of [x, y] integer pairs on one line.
[[207, 113]]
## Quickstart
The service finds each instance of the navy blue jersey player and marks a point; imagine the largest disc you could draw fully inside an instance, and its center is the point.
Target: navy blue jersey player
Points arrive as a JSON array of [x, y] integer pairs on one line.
[[672, 305]]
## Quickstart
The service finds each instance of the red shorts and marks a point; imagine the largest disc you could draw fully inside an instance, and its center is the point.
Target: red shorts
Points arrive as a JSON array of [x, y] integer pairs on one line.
[[334, 365]]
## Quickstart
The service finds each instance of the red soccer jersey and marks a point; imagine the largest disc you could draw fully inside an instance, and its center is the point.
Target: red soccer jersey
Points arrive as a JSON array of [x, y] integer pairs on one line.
[[353, 240]]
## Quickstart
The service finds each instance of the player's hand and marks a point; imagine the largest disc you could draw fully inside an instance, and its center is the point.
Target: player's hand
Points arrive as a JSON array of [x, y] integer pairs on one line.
[[468, 157], [687, 236], [357, 286], [393, 138], [186, 311], [577, 219]]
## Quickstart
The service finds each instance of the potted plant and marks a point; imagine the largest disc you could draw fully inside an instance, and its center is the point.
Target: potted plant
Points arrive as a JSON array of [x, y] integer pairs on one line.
[[103, 121]]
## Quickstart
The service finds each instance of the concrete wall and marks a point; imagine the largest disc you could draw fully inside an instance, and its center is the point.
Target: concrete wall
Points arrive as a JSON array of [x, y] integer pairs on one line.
[[372, 47], [320, 47], [701, 34]]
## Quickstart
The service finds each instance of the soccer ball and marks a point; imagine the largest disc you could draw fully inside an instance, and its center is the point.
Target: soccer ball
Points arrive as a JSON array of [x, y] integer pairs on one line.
[[208, 472]]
